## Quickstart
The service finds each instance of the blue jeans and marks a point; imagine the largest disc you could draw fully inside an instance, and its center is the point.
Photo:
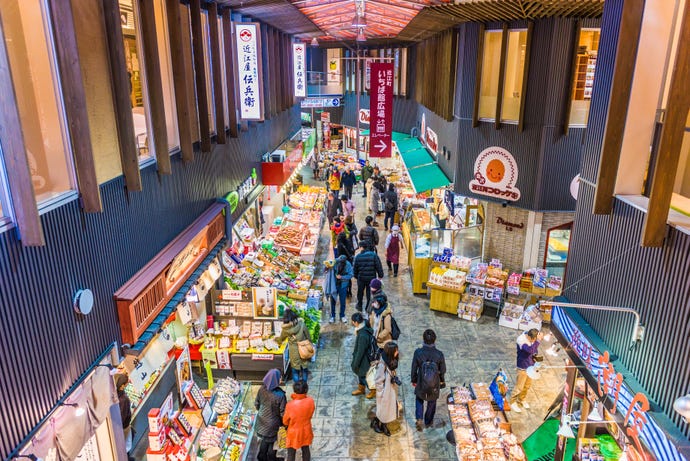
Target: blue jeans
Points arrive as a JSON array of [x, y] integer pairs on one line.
[[342, 294], [430, 410], [299, 375]]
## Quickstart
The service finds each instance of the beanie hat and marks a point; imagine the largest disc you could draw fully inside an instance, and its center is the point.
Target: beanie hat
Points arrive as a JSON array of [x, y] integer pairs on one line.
[[375, 284]]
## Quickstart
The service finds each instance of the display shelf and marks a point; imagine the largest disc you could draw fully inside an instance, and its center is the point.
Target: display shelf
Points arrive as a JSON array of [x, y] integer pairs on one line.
[[444, 299]]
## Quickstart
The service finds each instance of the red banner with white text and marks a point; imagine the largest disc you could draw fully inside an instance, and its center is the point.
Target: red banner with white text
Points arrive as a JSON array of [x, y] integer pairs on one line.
[[381, 109]]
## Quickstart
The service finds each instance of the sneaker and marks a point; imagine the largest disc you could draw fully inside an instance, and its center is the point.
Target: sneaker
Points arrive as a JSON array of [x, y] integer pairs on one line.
[[365, 316], [525, 405], [516, 407], [343, 319], [420, 425], [331, 320]]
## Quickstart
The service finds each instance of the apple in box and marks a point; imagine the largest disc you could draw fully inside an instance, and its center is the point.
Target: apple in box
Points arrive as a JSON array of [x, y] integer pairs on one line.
[[157, 440], [155, 420]]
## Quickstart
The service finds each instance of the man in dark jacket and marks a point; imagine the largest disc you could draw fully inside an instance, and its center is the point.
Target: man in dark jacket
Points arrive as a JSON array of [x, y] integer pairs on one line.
[[368, 233], [428, 378], [348, 180], [366, 268], [270, 404], [333, 208], [360, 355], [527, 347], [367, 172], [390, 206]]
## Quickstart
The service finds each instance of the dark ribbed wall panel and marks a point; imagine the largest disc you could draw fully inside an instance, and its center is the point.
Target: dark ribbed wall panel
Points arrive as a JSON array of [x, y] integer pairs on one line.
[[467, 77], [560, 163], [607, 266], [447, 133], [606, 57], [99, 251]]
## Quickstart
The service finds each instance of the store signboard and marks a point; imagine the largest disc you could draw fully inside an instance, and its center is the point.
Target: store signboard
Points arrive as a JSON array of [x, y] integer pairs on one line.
[[432, 140], [640, 426], [249, 73], [495, 174], [364, 116], [299, 52], [263, 357], [184, 370], [316, 103], [246, 187], [381, 107], [326, 122], [307, 133]]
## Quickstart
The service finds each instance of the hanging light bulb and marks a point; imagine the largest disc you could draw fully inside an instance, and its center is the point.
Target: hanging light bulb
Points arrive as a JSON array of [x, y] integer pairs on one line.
[[360, 35], [314, 42], [597, 413]]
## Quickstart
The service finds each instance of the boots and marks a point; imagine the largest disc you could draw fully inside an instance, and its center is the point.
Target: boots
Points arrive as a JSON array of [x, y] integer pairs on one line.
[[359, 391], [371, 394]]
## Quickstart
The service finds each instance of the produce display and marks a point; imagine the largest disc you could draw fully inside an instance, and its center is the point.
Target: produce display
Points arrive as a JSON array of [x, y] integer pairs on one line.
[[479, 435], [308, 197]]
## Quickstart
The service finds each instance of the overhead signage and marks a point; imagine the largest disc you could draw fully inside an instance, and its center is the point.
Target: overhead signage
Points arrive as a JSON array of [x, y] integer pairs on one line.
[[233, 199], [381, 109], [432, 140], [249, 78], [326, 121], [247, 185], [495, 174], [364, 116], [299, 51], [307, 103], [333, 68]]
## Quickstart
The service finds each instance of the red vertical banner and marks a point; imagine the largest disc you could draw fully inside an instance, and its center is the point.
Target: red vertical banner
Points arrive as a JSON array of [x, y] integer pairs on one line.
[[381, 109]]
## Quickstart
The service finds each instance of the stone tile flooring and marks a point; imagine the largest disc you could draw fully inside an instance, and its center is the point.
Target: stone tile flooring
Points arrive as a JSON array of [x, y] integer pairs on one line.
[[473, 351]]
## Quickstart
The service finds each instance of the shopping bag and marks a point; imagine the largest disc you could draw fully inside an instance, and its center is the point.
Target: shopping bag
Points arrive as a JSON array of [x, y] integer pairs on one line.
[[371, 376], [306, 349], [280, 445]]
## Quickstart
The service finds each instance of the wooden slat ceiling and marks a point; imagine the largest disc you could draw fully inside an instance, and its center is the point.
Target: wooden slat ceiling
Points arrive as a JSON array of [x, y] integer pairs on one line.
[[399, 21]]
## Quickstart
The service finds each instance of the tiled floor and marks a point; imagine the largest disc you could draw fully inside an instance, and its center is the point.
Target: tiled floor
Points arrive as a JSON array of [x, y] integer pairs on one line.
[[473, 351]]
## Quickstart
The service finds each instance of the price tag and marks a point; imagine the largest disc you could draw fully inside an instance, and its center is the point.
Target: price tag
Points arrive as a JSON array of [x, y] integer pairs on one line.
[[232, 295], [265, 357]]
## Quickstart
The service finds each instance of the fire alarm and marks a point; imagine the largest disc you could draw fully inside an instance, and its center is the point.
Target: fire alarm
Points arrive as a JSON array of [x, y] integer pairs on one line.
[[83, 301]]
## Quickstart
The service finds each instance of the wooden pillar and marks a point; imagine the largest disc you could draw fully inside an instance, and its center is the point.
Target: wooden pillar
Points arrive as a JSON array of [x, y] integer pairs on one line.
[[621, 84], [575, 42], [478, 77], [74, 99], [129, 154], [501, 76], [179, 79], [266, 70], [154, 84], [200, 75], [525, 77], [14, 153], [217, 72], [230, 72], [670, 141], [273, 82]]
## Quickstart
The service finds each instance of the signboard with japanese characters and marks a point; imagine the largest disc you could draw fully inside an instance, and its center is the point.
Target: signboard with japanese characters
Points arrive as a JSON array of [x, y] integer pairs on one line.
[[495, 174], [299, 51], [249, 76], [381, 109]]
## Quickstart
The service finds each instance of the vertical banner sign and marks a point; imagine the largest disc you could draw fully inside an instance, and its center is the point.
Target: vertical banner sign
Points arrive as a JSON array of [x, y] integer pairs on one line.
[[326, 121], [298, 59], [381, 109], [249, 76]]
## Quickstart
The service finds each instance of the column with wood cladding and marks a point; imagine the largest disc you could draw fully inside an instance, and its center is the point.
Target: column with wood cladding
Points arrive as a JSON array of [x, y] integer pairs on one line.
[[230, 72], [217, 71], [200, 75]]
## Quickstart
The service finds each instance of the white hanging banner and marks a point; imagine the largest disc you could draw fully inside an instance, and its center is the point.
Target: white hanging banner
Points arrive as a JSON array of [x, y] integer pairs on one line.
[[249, 72], [299, 53]]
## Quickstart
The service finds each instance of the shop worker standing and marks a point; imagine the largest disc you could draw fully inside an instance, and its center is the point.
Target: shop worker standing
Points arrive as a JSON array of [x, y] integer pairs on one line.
[[428, 378], [527, 347], [367, 267], [367, 172], [270, 404]]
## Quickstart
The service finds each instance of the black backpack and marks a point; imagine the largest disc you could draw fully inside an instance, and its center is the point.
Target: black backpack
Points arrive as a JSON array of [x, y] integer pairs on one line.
[[429, 381], [395, 330], [390, 206], [372, 350]]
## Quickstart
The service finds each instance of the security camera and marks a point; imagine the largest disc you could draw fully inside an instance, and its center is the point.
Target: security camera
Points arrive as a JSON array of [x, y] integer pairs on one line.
[[504, 204]]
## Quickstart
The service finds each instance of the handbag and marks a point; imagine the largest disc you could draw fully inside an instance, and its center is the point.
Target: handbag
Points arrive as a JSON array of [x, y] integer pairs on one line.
[[305, 349], [371, 376]]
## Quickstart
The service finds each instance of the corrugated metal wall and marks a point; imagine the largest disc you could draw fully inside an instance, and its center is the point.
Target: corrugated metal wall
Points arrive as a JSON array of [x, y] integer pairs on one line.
[[46, 346]]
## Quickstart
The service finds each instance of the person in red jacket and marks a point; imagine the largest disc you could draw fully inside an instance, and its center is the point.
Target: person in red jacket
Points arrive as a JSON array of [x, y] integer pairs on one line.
[[297, 419]]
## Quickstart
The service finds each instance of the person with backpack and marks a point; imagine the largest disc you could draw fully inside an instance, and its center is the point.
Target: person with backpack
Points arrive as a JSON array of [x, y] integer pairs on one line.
[[368, 233], [294, 330], [428, 378], [387, 382], [390, 206], [337, 281], [367, 267], [364, 353], [270, 405], [393, 244]]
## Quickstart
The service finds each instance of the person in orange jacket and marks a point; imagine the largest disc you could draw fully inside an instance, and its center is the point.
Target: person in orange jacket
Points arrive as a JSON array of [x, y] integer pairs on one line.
[[297, 419]]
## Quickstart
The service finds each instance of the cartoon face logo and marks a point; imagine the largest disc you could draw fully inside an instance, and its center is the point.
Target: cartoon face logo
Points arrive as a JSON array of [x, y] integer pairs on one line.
[[495, 171]]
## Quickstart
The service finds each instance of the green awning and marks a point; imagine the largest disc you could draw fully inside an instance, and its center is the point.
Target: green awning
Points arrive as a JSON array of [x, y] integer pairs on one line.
[[364, 132], [416, 157], [408, 144], [428, 177], [398, 136]]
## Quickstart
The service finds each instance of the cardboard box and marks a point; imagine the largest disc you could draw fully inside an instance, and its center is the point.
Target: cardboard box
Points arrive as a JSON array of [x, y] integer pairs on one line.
[[509, 322], [155, 420], [157, 440], [152, 455], [524, 326]]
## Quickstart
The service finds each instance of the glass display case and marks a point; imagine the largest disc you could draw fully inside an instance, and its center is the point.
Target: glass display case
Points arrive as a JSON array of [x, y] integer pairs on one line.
[[464, 242]]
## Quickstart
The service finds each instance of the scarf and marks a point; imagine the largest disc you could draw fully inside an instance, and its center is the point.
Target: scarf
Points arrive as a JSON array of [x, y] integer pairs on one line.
[[272, 379]]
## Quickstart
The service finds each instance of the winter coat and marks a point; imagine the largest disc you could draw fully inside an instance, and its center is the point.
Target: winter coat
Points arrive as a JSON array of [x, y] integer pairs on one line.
[[294, 332], [526, 351], [334, 181], [380, 299], [392, 197], [337, 229], [367, 267], [348, 179], [270, 406], [360, 362], [352, 230], [367, 172], [345, 274], [329, 287], [333, 208], [344, 246], [370, 234], [393, 243], [384, 327], [427, 353], [386, 394], [374, 199], [297, 418], [125, 409]]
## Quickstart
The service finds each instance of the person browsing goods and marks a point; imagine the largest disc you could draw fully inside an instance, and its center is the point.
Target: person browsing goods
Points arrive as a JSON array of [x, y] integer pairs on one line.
[[527, 347]]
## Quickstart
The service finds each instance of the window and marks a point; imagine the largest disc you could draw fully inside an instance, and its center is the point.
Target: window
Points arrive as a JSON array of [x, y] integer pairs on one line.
[[166, 74], [491, 63], [514, 75], [556, 251], [583, 78], [38, 98], [205, 35]]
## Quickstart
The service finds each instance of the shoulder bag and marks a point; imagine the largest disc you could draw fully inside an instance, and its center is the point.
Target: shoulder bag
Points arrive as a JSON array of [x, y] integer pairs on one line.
[[305, 347]]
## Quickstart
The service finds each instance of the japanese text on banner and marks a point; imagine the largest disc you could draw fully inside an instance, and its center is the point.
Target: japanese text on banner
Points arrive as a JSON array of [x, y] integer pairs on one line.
[[249, 76], [381, 110]]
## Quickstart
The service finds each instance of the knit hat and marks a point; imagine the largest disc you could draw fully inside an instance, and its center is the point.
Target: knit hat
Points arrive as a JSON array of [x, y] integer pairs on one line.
[[375, 284]]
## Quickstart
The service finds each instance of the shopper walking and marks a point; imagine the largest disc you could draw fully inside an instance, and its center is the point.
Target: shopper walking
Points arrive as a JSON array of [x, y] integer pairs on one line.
[[337, 228], [270, 406], [294, 330], [367, 267], [347, 181], [341, 274], [387, 383], [393, 244], [314, 165], [390, 204], [348, 206], [333, 207], [382, 314], [361, 354], [334, 181], [297, 419], [375, 201], [527, 347], [352, 231], [367, 172], [121, 380], [368, 233], [428, 378]]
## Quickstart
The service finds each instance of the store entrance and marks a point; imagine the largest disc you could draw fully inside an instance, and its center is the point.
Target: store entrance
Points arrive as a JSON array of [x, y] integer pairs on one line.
[[556, 251]]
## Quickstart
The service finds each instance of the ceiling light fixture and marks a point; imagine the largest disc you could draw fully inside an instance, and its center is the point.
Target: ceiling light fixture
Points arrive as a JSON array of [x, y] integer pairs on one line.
[[314, 42], [359, 21], [360, 35]]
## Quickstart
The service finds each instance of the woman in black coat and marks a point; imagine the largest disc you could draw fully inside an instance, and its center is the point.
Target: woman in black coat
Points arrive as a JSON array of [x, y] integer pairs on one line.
[[270, 403], [345, 248], [360, 355]]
